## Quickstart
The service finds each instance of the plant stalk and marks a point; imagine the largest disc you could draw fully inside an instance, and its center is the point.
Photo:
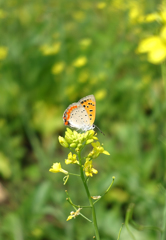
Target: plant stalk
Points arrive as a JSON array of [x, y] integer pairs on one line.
[[90, 199]]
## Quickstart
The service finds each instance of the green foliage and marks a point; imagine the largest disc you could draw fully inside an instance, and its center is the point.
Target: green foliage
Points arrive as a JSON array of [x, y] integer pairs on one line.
[[52, 53]]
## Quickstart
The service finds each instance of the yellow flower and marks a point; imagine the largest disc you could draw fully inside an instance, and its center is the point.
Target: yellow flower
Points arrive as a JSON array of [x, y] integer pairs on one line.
[[58, 68], [56, 167], [50, 49], [3, 52], [71, 159], [135, 11], [155, 46], [101, 5], [74, 214], [88, 168], [97, 150], [80, 62]]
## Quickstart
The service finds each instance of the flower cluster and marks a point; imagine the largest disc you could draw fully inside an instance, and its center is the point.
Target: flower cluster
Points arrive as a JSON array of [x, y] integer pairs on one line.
[[76, 142]]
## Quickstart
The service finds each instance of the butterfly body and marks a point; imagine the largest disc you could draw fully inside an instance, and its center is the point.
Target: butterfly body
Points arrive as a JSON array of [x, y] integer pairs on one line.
[[81, 115]]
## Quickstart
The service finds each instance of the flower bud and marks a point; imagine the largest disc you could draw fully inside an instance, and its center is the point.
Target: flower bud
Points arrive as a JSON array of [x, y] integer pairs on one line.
[[73, 145], [63, 142], [69, 131], [79, 145], [89, 141]]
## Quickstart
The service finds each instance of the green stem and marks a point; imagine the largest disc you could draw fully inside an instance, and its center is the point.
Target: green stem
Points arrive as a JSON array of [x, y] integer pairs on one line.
[[163, 72], [90, 199]]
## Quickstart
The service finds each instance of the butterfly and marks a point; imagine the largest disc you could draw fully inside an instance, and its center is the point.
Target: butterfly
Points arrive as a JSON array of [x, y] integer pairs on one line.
[[81, 115]]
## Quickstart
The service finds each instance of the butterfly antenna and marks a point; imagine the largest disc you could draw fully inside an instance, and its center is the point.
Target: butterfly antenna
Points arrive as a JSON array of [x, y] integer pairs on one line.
[[99, 129]]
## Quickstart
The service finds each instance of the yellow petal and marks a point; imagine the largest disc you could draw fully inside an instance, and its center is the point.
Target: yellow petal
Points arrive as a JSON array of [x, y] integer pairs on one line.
[[157, 56], [69, 218], [105, 152], [56, 167], [148, 44], [151, 17], [67, 161], [70, 155], [94, 171]]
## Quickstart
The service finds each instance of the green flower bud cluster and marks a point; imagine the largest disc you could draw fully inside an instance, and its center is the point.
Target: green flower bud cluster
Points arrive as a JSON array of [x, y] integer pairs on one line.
[[77, 140]]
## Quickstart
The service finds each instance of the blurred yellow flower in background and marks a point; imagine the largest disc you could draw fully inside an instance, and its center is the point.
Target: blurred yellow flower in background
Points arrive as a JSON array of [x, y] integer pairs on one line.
[[86, 42], [50, 49], [79, 16], [58, 68], [3, 52], [135, 11], [155, 47], [99, 95], [101, 5], [118, 4], [2, 13], [80, 61]]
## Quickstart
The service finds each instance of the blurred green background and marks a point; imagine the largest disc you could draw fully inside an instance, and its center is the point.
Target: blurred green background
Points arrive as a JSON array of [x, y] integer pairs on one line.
[[53, 53]]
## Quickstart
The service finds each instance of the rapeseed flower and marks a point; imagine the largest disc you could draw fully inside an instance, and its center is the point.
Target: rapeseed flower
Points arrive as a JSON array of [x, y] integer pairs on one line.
[[56, 167], [71, 159], [155, 47], [88, 168]]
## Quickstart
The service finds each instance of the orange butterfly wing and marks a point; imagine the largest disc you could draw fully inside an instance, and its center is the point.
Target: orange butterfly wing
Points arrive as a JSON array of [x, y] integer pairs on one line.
[[89, 103]]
